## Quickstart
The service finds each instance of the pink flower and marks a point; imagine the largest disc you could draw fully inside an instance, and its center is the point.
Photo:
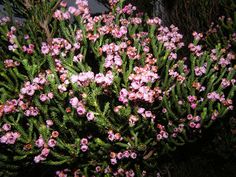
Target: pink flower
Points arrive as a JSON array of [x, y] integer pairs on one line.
[[198, 125], [49, 122], [45, 48], [84, 148], [197, 36], [66, 15], [126, 154], [55, 134], [90, 116], [123, 96], [62, 88], [30, 91], [74, 102], [133, 155], [45, 152], [141, 110], [63, 4], [193, 105], [113, 161], [72, 9], [199, 71], [117, 108], [50, 95], [192, 124], [225, 83], [58, 14], [159, 137], [224, 62], [43, 97], [38, 158], [84, 141], [130, 173], [132, 120], [98, 169], [119, 155], [81, 110], [197, 118], [32, 111], [118, 60], [164, 134], [164, 110], [192, 98], [6, 127], [52, 143], [39, 142], [213, 96], [189, 116], [9, 138], [148, 113], [111, 137]]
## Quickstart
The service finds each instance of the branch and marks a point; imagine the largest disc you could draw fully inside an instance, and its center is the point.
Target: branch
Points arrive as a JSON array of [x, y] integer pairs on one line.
[[45, 23]]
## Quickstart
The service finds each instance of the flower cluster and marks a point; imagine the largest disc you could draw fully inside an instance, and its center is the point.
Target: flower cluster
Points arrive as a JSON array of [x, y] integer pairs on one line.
[[9, 137]]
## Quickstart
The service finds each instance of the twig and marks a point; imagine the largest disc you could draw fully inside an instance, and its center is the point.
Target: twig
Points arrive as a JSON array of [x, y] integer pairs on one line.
[[45, 23]]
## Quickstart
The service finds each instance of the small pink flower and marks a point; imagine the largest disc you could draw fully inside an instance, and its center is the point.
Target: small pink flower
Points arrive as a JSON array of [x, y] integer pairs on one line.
[[49, 122], [189, 116], [197, 118], [133, 155], [39, 142], [113, 161], [164, 134], [117, 108], [74, 102], [197, 36], [192, 124], [52, 143], [72, 9], [159, 137], [192, 99], [225, 83], [193, 105], [148, 113], [84, 148], [10, 137], [126, 154], [63, 4], [90, 116], [45, 152], [50, 95], [84, 141], [141, 110], [6, 127], [164, 110], [66, 15], [45, 49], [213, 96], [55, 134], [198, 125], [81, 110], [98, 169], [111, 137], [38, 158], [43, 97], [30, 91], [119, 155]]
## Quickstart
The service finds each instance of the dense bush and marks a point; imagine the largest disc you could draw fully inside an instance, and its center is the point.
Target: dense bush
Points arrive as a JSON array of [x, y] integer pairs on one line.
[[104, 95]]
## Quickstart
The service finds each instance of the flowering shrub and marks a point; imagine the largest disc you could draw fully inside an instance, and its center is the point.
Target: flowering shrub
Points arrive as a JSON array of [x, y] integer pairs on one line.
[[223, 32], [107, 95]]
